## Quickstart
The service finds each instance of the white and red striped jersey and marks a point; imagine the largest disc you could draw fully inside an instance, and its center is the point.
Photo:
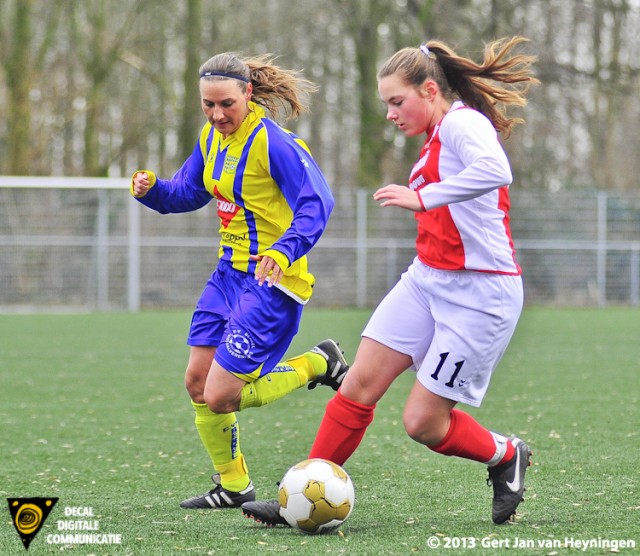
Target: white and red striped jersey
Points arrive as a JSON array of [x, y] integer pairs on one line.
[[462, 178]]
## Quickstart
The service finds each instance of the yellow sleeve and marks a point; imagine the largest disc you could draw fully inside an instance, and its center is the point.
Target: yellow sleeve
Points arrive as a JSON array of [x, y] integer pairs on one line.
[[278, 257]]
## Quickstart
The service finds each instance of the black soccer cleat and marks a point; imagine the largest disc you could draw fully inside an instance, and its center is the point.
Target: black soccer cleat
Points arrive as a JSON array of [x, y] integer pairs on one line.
[[219, 498], [337, 365], [508, 482], [266, 512]]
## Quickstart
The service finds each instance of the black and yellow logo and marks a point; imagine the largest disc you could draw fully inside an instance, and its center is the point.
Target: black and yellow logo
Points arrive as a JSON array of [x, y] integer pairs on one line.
[[29, 515]]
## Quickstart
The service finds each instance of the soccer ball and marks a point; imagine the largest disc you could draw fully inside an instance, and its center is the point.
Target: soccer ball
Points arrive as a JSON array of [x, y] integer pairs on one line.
[[316, 496]]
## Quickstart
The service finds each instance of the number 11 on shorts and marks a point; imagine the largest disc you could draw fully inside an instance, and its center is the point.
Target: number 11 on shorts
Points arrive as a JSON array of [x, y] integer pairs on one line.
[[458, 366]]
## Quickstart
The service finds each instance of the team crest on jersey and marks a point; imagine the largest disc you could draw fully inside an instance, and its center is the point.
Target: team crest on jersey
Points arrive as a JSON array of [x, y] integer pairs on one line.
[[240, 344], [230, 164], [226, 209]]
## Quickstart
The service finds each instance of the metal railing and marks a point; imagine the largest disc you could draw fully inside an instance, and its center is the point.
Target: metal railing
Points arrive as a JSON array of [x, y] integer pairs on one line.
[[96, 248]]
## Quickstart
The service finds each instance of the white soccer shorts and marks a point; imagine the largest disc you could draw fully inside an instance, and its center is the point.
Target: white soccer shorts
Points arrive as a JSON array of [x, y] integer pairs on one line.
[[454, 325]]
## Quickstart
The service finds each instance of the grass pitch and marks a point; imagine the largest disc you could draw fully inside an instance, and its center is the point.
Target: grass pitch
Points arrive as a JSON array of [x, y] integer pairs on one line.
[[93, 411]]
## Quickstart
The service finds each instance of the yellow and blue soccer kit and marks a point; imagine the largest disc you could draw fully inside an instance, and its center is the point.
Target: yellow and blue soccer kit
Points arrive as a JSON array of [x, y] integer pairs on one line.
[[272, 200]]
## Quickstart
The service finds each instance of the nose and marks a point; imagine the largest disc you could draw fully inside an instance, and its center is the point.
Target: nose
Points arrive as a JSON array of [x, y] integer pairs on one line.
[[391, 115], [217, 113]]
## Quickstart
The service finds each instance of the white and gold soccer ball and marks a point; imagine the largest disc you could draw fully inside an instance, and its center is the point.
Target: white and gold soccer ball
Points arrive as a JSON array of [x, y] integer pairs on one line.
[[316, 496]]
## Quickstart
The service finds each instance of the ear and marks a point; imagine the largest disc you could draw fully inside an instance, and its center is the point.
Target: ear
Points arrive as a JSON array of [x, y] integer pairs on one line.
[[249, 91], [429, 89]]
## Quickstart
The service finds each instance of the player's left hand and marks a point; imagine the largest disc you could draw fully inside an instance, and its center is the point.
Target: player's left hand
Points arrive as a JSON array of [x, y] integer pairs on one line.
[[398, 196], [267, 271]]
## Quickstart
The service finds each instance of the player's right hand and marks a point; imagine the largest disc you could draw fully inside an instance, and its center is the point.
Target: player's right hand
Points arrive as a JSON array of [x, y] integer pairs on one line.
[[395, 195], [140, 184]]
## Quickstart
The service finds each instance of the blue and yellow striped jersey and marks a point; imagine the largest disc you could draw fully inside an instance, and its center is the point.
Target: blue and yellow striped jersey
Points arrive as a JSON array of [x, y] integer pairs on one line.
[[271, 196]]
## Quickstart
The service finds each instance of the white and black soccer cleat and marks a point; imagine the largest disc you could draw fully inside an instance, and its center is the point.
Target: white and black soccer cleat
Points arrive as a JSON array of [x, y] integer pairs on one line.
[[337, 365], [266, 512], [508, 482], [219, 497]]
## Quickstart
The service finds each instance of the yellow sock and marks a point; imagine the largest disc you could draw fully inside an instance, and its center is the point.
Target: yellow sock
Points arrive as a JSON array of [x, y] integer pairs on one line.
[[220, 435], [285, 378], [314, 363], [234, 475]]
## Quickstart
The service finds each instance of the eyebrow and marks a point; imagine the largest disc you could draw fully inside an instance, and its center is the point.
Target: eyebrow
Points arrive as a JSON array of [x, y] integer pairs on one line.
[[227, 99]]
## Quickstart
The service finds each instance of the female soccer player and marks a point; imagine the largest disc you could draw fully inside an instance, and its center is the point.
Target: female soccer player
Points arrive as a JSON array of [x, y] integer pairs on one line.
[[453, 312], [273, 203]]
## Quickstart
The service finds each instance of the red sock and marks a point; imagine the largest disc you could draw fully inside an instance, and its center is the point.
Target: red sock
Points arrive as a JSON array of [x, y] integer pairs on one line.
[[468, 439], [341, 430]]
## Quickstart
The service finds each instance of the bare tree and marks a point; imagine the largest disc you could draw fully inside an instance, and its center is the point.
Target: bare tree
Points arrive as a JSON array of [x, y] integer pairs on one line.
[[115, 83], [611, 80], [191, 115], [17, 64], [361, 19]]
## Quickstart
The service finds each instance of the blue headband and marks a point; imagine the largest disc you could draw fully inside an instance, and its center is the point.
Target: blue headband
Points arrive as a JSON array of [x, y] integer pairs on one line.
[[223, 74]]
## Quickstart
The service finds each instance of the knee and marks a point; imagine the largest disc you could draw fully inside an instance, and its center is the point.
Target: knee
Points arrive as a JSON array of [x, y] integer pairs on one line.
[[415, 425], [424, 427], [195, 376], [219, 404], [194, 385]]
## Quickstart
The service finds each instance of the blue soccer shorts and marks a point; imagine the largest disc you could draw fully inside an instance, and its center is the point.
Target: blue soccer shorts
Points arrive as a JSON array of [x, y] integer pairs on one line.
[[251, 326]]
